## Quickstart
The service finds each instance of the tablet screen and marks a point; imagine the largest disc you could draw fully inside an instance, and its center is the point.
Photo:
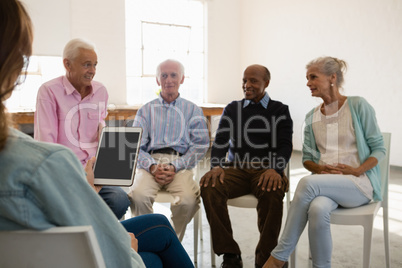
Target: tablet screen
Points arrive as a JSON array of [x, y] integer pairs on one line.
[[117, 156]]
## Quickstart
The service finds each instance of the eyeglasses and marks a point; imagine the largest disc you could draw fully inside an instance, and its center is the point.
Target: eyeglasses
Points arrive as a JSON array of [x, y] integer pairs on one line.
[[20, 79]]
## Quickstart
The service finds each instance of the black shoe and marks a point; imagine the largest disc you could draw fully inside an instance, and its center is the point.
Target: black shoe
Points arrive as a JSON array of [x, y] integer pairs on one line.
[[231, 261], [286, 265]]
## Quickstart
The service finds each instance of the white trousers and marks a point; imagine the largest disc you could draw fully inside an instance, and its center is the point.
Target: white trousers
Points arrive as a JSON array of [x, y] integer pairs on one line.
[[184, 189]]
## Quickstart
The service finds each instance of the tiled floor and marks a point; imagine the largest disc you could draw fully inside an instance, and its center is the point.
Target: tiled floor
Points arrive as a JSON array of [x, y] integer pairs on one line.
[[347, 242]]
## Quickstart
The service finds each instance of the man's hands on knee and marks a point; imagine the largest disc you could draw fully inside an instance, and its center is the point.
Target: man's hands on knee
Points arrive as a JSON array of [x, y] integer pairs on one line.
[[270, 180], [163, 173], [217, 173]]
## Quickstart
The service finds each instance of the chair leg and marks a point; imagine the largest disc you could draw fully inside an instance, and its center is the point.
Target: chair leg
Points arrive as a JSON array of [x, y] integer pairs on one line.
[[200, 224], [195, 227], [386, 237], [368, 237], [293, 259], [212, 252]]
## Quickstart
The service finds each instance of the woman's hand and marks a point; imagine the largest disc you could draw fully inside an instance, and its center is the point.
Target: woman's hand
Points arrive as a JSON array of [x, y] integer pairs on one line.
[[134, 242], [89, 171], [343, 169]]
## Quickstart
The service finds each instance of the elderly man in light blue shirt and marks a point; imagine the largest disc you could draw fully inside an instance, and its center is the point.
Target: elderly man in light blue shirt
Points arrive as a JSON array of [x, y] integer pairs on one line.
[[175, 138]]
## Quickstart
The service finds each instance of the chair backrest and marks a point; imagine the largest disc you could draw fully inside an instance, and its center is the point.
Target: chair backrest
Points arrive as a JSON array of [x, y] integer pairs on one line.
[[384, 166], [61, 247]]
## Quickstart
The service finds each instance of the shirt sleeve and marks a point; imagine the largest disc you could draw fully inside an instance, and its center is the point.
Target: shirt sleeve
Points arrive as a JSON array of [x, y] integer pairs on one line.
[[372, 132], [284, 134], [198, 144], [145, 160], [309, 150], [45, 119], [221, 143], [60, 191]]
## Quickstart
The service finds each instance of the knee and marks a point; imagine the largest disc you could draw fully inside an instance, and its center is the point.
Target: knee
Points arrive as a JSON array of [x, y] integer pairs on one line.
[[116, 196], [318, 216], [137, 196], [156, 219], [190, 199], [211, 193]]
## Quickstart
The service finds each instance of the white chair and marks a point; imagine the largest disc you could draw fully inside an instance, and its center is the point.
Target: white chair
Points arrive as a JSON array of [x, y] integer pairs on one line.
[[364, 215], [248, 201], [165, 197], [62, 247]]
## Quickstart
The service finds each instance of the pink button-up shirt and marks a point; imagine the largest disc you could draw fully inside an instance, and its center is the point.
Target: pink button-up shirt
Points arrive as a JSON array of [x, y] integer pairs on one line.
[[62, 117]]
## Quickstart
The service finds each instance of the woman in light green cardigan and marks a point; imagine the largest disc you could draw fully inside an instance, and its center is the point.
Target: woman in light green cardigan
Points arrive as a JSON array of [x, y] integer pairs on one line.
[[342, 147]]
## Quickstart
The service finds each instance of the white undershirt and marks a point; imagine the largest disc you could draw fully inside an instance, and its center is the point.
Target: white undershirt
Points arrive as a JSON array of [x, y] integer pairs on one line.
[[336, 140]]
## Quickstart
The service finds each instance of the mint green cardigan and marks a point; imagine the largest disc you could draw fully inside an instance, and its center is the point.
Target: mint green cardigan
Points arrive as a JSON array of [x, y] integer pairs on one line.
[[369, 139]]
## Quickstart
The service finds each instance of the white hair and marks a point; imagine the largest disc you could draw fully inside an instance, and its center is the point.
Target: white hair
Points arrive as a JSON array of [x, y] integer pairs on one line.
[[71, 50], [181, 67]]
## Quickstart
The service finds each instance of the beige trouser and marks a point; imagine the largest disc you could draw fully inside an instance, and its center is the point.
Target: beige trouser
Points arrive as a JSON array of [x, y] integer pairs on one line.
[[184, 189]]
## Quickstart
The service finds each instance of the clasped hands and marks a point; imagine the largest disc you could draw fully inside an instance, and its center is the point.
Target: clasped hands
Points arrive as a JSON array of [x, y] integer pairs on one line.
[[340, 169], [269, 180], [163, 173]]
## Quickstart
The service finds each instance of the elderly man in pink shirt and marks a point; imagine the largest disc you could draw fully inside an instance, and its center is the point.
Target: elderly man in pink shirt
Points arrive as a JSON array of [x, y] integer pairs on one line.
[[71, 110]]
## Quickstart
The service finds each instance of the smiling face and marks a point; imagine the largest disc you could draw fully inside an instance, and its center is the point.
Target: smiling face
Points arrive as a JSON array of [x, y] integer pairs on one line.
[[82, 69], [170, 79], [319, 83], [254, 83]]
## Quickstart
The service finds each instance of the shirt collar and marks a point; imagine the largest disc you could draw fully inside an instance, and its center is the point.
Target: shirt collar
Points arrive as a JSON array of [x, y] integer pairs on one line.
[[70, 89], [173, 103], [264, 101]]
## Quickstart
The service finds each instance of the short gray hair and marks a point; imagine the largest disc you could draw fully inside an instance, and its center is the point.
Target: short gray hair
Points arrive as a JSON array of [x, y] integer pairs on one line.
[[72, 48], [181, 67], [330, 66]]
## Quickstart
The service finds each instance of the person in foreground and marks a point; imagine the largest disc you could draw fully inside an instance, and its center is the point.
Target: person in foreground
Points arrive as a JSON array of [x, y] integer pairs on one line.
[[256, 132], [71, 110], [175, 137], [43, 185], [342, 147]]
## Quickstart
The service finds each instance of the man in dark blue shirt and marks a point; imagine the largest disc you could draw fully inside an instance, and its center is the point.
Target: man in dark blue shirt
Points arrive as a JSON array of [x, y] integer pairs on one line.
[[252, 147]]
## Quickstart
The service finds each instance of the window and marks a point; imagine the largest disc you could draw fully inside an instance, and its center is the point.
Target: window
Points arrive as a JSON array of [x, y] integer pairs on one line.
[[157, 30], [40, 70]]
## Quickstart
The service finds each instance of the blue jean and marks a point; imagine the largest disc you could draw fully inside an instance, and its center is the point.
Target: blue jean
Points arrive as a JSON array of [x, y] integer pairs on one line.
[[158, 244], [315, 197], [116, 198]]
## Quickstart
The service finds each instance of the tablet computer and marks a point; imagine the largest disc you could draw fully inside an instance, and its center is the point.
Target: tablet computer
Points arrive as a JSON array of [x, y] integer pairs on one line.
[[116, 157]]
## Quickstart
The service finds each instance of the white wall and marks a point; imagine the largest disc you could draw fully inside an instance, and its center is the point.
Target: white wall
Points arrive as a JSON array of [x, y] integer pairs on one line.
[[286, 35], [224, 74], [283, 35], [100, 21]]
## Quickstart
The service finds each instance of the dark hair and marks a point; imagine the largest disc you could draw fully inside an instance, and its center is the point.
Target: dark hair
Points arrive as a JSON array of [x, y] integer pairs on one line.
[[16, 36], [267, 75]]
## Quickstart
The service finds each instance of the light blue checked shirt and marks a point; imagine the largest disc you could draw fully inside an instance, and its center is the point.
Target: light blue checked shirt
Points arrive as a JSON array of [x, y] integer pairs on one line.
[[180, 125]]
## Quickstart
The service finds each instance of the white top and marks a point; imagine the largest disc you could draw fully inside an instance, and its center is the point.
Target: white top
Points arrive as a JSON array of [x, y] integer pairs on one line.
[[336, 141]]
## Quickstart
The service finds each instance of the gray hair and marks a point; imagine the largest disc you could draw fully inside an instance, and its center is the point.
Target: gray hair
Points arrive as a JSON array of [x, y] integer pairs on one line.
[[181, 67], [71, 50], [330, 66]]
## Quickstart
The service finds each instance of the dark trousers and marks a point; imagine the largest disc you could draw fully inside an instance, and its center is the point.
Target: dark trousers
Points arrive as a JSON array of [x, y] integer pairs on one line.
[[240, 182]]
